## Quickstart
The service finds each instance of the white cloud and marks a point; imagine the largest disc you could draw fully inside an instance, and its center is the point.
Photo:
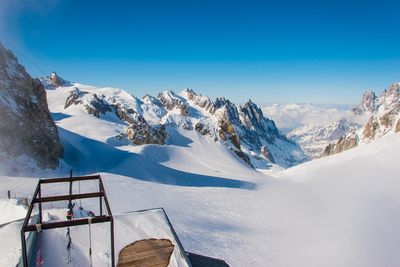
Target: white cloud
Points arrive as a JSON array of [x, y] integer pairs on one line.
[[290, 116]]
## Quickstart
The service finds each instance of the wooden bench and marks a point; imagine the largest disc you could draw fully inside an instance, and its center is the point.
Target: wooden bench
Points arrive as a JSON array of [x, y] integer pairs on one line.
[[146, 253]]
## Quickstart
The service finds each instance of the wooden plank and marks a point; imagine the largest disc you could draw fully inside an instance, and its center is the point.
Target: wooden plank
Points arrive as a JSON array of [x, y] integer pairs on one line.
[[146, 246], [146, 253], [153, 253]]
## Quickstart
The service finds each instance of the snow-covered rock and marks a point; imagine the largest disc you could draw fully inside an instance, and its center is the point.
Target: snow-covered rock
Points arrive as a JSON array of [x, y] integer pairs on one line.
[[314, 138], [384, 119], [53, 81], [27, 130], [368, 103]]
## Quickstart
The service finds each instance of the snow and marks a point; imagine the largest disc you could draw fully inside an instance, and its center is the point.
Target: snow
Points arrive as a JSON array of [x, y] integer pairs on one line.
[[10, 245], [11, 210], [341, 210]]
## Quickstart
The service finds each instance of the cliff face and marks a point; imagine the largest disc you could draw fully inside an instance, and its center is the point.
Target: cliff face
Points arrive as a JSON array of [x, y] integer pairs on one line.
[[26, 126], [385, 118]]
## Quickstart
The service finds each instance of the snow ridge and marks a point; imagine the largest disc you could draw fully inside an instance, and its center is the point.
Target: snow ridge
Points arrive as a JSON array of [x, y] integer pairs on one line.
[[242, 129]]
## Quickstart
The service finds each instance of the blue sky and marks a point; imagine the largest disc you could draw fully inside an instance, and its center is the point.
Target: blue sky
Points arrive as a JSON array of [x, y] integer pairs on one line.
[[320, 51]]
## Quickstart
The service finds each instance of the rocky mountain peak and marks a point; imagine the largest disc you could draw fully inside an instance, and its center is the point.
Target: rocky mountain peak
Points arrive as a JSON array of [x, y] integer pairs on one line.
[[53, 81], [173, 101], [253, 115], [394, 89], [368, 103], [200, 100], [250, 103], [390, 98]]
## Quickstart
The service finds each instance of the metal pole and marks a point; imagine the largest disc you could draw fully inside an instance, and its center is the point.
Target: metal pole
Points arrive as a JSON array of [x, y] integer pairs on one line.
[[112, 242], [23, 247], [40, 204], [70, 196], [101, 202]]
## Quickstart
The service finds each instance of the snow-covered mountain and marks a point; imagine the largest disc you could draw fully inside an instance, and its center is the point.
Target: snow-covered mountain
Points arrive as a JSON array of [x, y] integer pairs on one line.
[[384, 118], [28, 135], [53, 81], [314, 127], [314, 138], [243, 129]]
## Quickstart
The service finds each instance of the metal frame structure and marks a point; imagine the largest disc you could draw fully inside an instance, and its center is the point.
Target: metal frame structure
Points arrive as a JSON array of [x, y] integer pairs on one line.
[[38, 199]]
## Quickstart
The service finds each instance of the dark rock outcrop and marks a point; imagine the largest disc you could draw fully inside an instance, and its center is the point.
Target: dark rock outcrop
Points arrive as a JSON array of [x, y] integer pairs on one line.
[[267, 154], [397, 129], [141, 133], [26, 126], [344, 143], [243, 156], [74, 98], [371, 128], [202, 128]]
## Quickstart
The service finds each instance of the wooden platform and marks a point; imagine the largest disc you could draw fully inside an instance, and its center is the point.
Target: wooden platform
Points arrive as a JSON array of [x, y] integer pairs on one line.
[[146, 253]]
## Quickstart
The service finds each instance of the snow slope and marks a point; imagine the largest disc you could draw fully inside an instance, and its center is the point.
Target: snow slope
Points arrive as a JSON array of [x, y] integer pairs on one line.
[[338, 211], [10, 211], [188, 159], [341, 210]]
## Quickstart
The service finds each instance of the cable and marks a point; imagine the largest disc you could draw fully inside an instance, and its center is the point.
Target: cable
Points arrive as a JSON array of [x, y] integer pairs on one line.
[[34, 64], [90, 241], [69, 246]]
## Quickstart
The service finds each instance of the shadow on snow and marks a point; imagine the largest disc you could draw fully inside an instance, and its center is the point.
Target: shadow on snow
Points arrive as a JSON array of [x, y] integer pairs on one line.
[[88, 156]]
